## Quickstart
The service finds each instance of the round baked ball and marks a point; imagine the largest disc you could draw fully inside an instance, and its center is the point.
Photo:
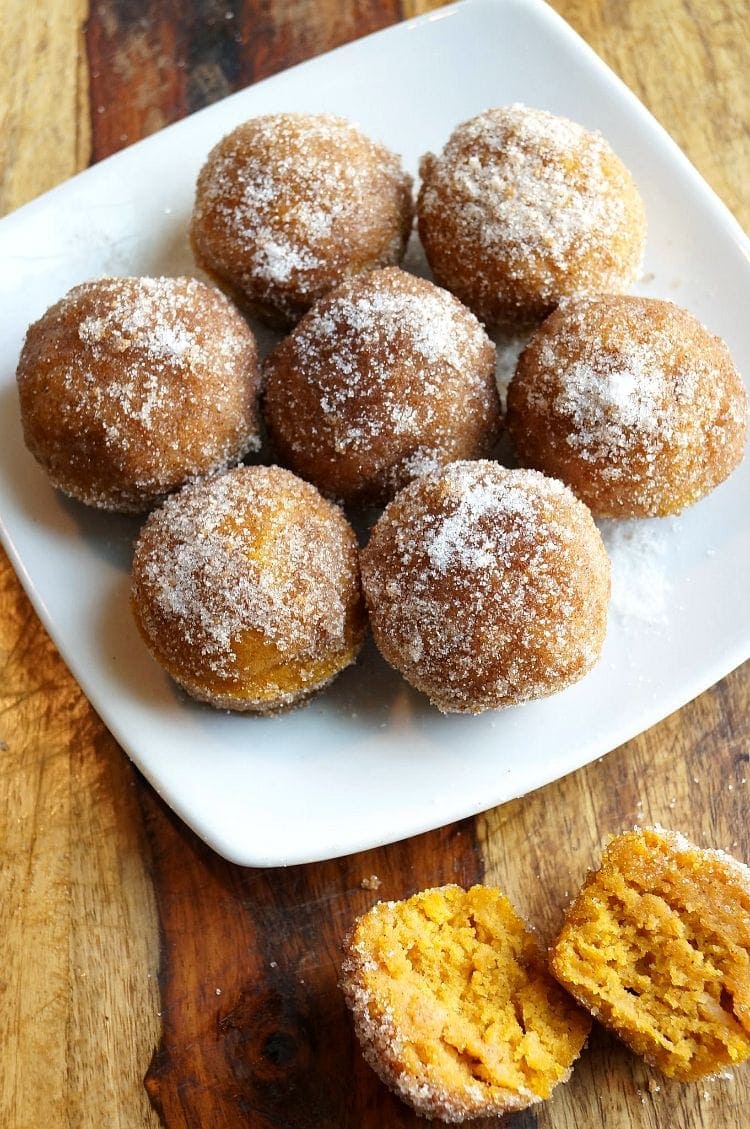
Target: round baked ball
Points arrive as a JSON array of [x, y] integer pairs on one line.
[[289, 205], [454, 1006], [631, 402], [130, 387], [487, 587], [246, 589], [523, 208], [386, 378]]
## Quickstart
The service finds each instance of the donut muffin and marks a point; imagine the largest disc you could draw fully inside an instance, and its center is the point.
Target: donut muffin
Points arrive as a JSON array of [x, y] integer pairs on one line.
[[454, 1006], [657, 946], [523, 208], [246, 589], [631, 402], [385, 378], [487, 587], [289, 205], [130, 387]]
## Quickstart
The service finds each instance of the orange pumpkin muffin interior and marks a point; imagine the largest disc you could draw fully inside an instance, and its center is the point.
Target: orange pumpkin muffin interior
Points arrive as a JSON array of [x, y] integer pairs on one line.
[[657, 946], [454, 1006]]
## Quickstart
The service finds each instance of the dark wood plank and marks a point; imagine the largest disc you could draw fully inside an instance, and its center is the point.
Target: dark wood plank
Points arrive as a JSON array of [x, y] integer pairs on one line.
[[255, 1028], [151, 62]]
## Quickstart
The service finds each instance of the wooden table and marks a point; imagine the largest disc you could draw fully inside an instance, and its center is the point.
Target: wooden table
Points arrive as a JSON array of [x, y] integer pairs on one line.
[[129, 950]]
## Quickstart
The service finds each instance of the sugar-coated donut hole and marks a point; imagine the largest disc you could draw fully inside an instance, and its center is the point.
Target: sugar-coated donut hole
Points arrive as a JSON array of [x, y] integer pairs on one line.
[[385, 378], [130, 387], [487, 587], [246, 589], [523, 208], [631, 402], [289, 205]]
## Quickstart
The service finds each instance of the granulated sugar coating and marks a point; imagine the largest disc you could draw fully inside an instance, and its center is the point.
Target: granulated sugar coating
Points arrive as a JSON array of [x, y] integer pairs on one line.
[[631, 402], [487, 587], [130, 387], [383, 380], [289, 205], [642, 581], [523, 208], [454, 1007], [657, 945], [246, 589]]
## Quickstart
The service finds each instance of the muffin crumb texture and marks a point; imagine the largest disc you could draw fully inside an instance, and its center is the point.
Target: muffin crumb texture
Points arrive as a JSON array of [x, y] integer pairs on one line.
[[657, 946], [454, 1007]]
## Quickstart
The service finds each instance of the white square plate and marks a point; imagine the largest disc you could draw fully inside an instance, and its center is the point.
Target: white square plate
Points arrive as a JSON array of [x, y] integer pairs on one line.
[[370, 761]]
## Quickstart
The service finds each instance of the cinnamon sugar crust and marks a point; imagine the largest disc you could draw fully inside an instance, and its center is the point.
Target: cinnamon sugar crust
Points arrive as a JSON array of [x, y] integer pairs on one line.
[[289, 205], [246, 589], [384, 379], [487, 587], [523, 208], [130, 387], [631, 402]]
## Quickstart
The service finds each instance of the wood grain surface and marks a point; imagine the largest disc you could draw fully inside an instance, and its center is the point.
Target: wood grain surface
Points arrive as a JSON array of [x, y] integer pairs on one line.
[[130, 951]]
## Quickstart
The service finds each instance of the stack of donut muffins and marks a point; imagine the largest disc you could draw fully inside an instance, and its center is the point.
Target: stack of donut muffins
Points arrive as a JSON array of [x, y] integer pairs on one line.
[[485, 586]]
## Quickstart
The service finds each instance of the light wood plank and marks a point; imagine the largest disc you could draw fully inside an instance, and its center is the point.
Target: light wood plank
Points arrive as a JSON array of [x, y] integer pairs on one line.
[[45, 134], [78, 991]]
